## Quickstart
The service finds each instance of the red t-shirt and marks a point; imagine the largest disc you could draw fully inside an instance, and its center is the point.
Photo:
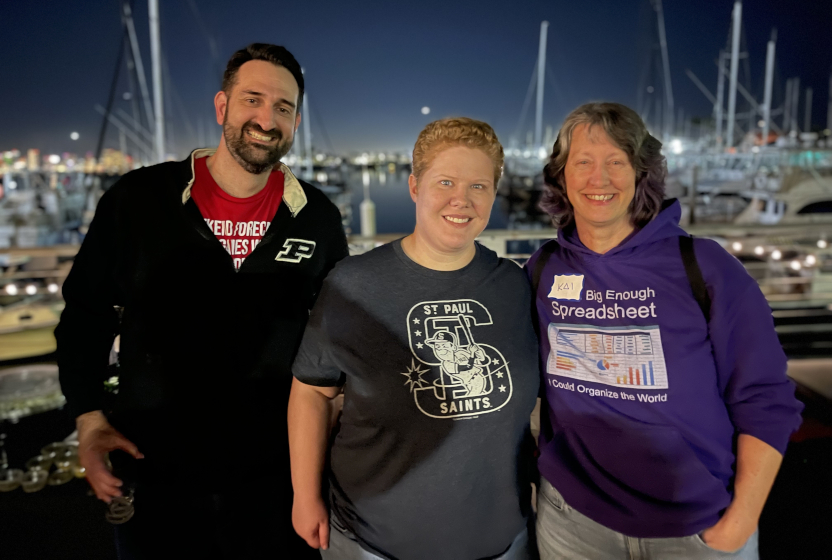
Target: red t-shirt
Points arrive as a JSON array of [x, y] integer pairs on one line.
[[239, 223]]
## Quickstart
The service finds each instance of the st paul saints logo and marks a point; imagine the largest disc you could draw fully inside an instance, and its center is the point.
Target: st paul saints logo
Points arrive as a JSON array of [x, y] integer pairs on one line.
[[452, 375]]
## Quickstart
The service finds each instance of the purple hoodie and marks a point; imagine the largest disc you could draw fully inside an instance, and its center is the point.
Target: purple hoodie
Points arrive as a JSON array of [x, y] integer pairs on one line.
[[643, 396]]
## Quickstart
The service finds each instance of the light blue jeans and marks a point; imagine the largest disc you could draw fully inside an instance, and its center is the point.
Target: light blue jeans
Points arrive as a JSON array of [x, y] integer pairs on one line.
[[565, 534], [343, 547]]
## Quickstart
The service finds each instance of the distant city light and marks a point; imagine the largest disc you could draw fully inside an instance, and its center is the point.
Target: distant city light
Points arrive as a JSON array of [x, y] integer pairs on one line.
[[795, 265], [736, 246], [31, 289], [776, 255], [74, 135], [53, 288], [11, 289], [759, 250], [821, 243], [54, 159], [811, 260], [425, 110]]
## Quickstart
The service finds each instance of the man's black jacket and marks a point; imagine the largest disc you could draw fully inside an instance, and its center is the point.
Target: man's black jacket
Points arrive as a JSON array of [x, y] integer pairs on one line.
[[206, 351]]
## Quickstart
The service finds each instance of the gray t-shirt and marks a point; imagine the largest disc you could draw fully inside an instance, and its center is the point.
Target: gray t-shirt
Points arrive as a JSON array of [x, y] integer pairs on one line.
[[441, 374]]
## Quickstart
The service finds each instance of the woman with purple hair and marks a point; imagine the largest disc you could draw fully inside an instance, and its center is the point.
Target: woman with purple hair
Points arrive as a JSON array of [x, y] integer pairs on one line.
[[667, 406]]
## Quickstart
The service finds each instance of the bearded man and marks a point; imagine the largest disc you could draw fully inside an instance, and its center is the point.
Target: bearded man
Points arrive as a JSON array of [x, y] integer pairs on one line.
[[214, 263]]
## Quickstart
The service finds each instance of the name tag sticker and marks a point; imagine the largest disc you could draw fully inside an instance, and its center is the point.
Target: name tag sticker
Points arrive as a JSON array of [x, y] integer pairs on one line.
[[567, 286]]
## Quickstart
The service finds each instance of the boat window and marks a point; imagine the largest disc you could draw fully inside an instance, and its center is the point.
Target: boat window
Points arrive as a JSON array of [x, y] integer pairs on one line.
[[822, 207]]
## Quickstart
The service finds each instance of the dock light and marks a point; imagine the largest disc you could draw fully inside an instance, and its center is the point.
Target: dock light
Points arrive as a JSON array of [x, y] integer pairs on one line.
[[795, 265], [759, 250], [11, 289], [676, 146], [74, 136], [426, 110], [776, 255], [31, 289], [736, 246], [53, 288], [821, 243], [811, 260]]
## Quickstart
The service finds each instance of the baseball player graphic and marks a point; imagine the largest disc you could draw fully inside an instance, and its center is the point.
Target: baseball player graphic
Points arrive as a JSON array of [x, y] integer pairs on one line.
[[464, 365]]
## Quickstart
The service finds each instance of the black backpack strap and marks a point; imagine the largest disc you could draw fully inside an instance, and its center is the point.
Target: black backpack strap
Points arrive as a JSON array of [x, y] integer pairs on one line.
[[697, 283], [542, 259], [537, 272]]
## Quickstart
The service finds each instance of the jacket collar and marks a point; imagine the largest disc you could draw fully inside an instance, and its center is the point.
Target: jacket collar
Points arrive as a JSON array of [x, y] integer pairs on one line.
[[293, 195]]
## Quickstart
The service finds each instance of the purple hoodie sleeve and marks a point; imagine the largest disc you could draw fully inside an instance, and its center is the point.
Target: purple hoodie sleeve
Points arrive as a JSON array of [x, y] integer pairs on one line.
[[750, 361]]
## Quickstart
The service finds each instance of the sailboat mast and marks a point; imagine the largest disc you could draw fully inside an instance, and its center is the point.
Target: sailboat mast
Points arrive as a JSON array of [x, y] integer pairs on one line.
[[795, 104], [668, 86], [735, 65], [829, 106], [307, 138], [720, 102], [541, 78], [768, 85], [156, 62], [137, 60]]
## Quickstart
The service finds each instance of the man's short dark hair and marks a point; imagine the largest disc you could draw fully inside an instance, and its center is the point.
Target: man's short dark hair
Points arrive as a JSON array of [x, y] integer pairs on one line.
[[275, 54]]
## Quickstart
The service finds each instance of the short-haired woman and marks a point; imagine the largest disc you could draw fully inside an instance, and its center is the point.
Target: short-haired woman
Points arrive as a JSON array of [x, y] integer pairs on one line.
[[439, 371], [667, 405]]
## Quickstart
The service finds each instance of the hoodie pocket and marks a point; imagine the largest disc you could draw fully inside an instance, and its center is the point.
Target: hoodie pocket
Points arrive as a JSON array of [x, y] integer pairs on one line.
[[651, 465]]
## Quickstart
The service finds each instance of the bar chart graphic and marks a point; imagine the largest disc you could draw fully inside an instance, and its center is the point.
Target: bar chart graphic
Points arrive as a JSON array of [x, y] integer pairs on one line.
[[618, 356]]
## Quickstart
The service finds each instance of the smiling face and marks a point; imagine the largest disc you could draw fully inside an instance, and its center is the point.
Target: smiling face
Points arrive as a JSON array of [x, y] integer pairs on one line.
[[600, 181], [444, 351], [453, 197], [259, 115]]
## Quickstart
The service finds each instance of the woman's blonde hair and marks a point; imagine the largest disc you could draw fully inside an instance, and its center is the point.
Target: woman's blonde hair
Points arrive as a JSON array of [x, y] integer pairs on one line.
[[457, 131]]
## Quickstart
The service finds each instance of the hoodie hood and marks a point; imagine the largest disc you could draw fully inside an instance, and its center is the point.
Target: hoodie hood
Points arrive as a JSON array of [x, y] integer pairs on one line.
[[665, 225]]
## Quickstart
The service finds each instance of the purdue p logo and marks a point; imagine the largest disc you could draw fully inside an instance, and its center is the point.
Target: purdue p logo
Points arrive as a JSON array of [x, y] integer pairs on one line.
[[295, 249]]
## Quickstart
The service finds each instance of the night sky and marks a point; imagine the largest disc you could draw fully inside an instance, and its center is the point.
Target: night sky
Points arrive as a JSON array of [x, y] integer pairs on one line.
[[371, 65]]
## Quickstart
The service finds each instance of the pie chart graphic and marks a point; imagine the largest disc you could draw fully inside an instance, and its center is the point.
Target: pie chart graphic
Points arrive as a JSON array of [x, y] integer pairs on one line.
[[603, 365]]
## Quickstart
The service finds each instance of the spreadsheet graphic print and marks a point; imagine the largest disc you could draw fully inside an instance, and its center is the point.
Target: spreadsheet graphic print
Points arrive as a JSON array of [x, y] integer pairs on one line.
[[618, 356]]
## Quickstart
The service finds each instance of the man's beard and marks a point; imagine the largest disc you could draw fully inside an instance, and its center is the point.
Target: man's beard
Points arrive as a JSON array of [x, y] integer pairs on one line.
[[254, 158]]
